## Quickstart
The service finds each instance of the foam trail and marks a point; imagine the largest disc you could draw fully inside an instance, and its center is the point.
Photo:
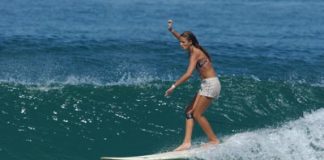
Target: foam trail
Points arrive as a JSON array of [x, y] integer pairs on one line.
[[302, 139]]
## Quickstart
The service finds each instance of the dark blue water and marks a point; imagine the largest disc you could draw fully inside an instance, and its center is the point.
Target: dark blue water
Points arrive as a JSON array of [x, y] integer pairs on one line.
[[85, 79]]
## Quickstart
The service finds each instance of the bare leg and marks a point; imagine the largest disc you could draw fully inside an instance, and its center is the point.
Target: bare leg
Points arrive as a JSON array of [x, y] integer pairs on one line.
[[189, 127], [187, 140], [202, 105]]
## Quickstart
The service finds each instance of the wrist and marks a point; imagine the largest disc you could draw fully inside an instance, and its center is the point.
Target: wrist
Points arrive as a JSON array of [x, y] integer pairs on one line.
[[173, 86]]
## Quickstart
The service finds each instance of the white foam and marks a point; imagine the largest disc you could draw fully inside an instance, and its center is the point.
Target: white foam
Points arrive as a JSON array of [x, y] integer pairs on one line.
[[255, 78], [76, 80], [127, 79], [319, 84], [302, 139]]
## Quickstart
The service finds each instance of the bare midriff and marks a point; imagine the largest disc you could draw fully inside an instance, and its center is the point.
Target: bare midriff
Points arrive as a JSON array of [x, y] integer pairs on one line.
[[207, 70]]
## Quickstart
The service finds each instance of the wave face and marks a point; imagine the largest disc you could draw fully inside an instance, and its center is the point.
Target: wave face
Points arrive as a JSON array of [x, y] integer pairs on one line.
[[83, 79], [50, 120]]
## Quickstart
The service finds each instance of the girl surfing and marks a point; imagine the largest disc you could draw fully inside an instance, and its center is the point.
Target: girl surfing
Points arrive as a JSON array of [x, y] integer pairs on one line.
[[209, 90]]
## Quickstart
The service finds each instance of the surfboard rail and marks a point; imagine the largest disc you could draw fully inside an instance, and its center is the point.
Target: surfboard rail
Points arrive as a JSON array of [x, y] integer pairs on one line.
[[159, 156]]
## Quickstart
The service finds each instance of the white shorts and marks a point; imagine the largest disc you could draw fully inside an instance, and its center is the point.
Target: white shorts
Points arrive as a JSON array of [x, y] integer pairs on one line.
[[210, 87]]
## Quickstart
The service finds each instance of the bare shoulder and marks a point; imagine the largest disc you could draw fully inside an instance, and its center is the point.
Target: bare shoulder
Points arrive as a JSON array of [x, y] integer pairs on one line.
[[199, 53], [195, 55]]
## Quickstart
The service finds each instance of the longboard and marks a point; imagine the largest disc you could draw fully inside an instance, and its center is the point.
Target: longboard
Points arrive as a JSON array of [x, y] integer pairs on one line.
[[161, 156]]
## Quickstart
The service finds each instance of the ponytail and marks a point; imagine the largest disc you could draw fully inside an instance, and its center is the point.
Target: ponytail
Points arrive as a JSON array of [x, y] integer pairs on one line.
[[191, 37], [204, 51]]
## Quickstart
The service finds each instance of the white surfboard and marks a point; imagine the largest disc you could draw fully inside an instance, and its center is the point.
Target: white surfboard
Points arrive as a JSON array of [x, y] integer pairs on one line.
[[162, 156]]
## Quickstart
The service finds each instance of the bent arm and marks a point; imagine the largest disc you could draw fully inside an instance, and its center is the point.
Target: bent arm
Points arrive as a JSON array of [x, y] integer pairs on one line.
[[188, 73]]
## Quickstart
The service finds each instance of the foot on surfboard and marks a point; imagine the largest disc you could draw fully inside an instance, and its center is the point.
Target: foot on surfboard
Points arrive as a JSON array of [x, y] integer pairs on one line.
[[210, 143], [183, 146]]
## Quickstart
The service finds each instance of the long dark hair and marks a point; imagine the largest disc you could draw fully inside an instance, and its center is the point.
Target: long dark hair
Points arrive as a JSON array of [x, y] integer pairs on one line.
[[191, 37]]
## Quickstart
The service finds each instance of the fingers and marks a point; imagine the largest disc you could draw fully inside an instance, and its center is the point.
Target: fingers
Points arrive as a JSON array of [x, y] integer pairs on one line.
[[170, 22], [168, 92]]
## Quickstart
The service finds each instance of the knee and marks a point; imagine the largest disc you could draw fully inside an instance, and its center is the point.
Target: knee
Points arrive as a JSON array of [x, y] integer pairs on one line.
[[197, 116], [189, 115]]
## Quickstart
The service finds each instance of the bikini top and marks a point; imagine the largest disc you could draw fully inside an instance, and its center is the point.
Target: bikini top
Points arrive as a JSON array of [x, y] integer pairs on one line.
[[201, 63]]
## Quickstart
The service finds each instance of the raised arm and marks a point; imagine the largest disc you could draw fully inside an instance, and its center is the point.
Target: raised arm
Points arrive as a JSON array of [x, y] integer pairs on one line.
[[170, 28]]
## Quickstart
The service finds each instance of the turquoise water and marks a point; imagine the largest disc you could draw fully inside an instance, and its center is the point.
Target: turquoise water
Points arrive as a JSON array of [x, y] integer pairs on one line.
[[85, 79]]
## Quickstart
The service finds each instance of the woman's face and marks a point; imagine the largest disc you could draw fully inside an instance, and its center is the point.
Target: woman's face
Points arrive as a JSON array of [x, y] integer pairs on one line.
[[184, 43]]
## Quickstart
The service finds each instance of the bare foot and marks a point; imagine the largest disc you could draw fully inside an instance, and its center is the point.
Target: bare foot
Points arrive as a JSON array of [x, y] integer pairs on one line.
[[183, 146], [211, 143]]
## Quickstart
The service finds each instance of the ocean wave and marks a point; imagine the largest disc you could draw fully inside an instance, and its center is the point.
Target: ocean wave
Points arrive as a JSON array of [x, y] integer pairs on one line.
[[246, 105], [127, 79], [302, 139]]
